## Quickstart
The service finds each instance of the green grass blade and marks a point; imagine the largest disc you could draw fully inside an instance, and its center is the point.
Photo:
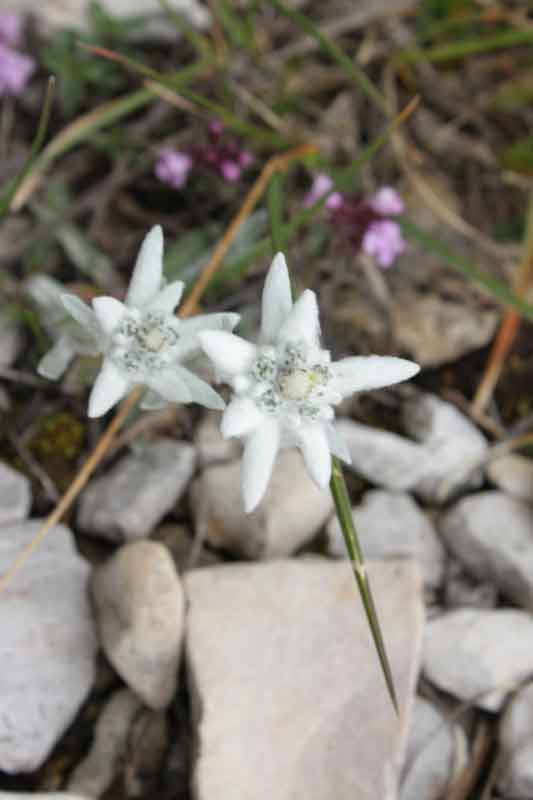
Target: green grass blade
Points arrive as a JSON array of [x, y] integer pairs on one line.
[[328, 46], [468, 47], [8, 194], [344, 514]]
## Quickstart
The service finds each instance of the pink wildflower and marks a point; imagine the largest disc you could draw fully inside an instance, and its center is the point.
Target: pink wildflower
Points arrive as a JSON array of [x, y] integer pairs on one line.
[[10, 28], [15, 71], [216, 128], [387, 201], [383, 241], [173, 168], [230, 171], [246, 159], [322, 184]]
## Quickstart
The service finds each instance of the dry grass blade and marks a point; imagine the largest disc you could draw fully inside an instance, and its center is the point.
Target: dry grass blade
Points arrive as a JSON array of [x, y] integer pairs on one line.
[[277, 163], [509, 325]]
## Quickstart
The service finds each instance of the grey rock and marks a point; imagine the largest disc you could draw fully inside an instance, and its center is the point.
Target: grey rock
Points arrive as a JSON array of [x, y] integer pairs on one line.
[[454, 446], [479, 655], [429, 761], [10, 342], [288, 700], [41, 796], [462, 589], [147, 755], [139, 605], [291, 513], [47, 646], [513, 474], [96, 772], [391, 525], [211, 445], [57, 14], [128, 502], [384, 458], [15, 495], [492, 534], [516, 747]]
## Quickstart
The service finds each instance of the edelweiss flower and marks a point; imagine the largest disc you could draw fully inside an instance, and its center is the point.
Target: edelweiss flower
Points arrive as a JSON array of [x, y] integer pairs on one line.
[[286, 385], [73, 339], [144, 343]]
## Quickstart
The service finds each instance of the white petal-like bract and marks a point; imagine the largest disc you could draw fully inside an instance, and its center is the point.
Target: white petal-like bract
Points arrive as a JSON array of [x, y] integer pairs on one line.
[[109, 312], [229, 353], [276, 299], [148, 271], [361, 373], [258, 459], [302, 323], [109, 387]]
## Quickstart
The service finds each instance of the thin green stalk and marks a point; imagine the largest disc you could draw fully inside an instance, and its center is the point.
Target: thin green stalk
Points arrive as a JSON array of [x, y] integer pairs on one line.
[[10, 191], [197, 40], [496, 288], [332, 49], [344, 514], [468, 47], [275, 208]]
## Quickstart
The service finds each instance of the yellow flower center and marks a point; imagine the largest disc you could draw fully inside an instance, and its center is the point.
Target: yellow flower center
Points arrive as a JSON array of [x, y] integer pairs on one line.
[[154, 340], [297, 385]]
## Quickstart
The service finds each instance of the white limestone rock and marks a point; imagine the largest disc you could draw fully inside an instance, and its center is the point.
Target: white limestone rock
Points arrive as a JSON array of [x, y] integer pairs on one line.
[[288, 697], [492, 534], [513, 474], [211, 445], [127, 503], [15, 495], [47, 645], [53, 15], [431, 754], [383, 458], [95, 773], [139, 605], [479, 655], [292, 511], [516, 747], [391, 525], [454, 447]]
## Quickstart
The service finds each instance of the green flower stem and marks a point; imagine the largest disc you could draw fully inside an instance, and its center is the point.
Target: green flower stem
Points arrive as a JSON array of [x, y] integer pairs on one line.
[[344, 515]]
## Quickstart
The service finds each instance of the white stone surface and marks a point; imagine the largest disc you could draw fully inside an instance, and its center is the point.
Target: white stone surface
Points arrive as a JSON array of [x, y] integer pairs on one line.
[[94, 775], [391, 525], [139, 605], [513, 474], [386, 459], [479, 655], [429, 761], [128, 501], [54, 14], [492, 534], [288, 698], [41, 796], [47, 645], [454, 446], [292, 511], [15, 495], [516, 747]]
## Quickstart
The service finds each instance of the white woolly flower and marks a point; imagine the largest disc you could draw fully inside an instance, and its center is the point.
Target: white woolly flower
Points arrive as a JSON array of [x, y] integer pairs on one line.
[[143, 342], [71, 338], [286, 385]]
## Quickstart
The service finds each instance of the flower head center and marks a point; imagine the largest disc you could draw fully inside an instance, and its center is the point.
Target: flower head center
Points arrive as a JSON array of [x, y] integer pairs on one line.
[[145, 343], [154, 340], [296, 384]]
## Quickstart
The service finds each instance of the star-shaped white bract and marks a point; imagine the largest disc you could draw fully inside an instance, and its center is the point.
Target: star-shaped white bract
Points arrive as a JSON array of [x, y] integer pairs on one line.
[[286, 385], [144, 343], [71, 338]]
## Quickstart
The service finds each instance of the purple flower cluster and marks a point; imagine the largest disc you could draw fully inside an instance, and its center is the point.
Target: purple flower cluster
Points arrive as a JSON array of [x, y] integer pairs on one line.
[[219, 154], [15, 68], [363, 222]]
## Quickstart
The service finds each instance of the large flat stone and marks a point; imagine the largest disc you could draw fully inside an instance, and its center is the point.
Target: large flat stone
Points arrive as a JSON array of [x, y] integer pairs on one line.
[[479, 655], [288, 697], [492, 534], [128, 502], [516, 747], [47, 645]]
